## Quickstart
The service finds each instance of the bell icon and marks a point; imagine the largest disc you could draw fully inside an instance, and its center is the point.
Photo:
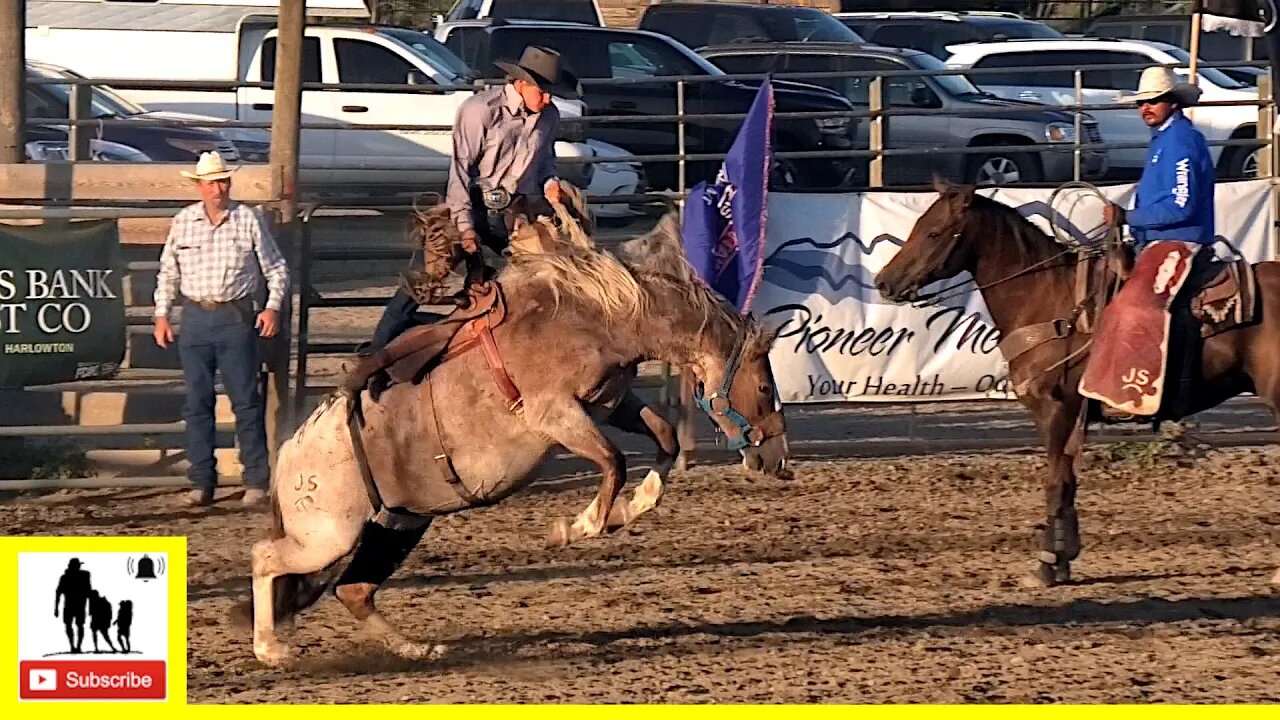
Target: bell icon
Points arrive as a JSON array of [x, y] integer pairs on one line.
[[146, 569]]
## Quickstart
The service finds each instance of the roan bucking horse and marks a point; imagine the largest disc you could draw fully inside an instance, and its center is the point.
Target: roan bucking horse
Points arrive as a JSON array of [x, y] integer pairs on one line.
[[554, 354], [1043, 297]]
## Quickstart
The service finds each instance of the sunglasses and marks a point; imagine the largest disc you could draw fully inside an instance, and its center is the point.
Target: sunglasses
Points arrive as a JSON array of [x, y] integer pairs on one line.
[[1153, 101]]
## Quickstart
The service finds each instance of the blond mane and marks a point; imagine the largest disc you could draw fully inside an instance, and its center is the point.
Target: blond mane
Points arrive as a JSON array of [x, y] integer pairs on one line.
[[659, 256]]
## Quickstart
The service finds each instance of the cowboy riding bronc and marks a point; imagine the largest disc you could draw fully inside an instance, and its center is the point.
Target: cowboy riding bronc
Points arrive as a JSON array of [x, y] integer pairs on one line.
[[1172, 222], [503, 166], [503, 169]]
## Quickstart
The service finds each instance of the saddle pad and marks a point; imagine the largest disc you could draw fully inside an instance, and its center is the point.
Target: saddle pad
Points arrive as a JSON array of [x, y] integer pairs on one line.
[[1127, 362]]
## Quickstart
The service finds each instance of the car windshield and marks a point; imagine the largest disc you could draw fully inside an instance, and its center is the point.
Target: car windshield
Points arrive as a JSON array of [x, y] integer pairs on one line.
[[807, 24], [431, 50], [952, 84], [104, 103], [1213, 75], [1018, 29]]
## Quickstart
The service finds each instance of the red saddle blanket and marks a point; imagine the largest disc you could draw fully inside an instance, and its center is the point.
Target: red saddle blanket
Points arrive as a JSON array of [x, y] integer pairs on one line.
[[1129, 356]]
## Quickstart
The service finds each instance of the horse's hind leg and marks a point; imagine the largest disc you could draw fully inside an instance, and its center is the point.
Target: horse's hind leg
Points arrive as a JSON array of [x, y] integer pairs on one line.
[[281, 582], [634, 416], [380, 552]]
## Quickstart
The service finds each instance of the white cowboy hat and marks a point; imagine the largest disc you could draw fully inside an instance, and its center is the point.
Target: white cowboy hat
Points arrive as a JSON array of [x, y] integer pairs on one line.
[[1160, 80], [210, 167]]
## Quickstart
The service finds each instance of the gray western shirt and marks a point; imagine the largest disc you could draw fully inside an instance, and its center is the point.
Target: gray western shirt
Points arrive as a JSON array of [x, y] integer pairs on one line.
[[501, 144]]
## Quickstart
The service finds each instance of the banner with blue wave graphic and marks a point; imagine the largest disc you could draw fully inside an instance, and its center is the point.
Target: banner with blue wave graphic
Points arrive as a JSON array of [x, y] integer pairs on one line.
[[725, 222]]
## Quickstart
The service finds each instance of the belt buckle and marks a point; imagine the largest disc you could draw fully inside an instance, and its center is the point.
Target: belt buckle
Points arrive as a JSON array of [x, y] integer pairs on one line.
[[208, 304], [496, 199]]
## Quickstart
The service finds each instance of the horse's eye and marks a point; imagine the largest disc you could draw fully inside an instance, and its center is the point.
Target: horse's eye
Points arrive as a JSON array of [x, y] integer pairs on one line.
[[933, 236], [765, 389]]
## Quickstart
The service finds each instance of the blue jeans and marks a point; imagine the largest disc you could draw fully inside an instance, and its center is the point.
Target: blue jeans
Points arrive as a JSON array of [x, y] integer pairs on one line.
[[222, 340]]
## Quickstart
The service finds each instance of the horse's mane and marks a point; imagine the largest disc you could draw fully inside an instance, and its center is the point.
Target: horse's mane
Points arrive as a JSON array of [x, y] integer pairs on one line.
[[1005, 224], [659, 256], [586, 273]]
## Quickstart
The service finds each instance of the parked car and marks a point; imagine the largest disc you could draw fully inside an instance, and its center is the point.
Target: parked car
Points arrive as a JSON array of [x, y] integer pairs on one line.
[[972, 118], [49, 143], [1043, 71], [592, 52], [697, 24], [153, 141], [1176, 30], [586, 12], [932, 32]]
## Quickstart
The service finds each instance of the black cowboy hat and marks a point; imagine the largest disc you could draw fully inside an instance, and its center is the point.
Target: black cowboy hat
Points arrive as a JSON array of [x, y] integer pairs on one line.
[[541, 66]]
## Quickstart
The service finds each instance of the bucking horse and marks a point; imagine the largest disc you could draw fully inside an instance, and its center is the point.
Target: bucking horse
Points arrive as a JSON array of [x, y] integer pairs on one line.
[[540, 360]]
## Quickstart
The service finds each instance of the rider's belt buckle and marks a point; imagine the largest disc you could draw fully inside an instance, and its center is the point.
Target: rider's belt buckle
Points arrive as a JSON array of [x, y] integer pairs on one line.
[[496, 199]]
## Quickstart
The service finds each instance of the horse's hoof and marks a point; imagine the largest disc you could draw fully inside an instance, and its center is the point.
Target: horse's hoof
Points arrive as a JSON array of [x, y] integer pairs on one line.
[[559, 535], [1062, 573], [419, 651], [1041, 577], [272, 654]]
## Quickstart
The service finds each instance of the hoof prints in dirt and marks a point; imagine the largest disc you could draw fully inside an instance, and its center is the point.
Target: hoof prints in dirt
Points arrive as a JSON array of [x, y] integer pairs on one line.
[[857, 581]]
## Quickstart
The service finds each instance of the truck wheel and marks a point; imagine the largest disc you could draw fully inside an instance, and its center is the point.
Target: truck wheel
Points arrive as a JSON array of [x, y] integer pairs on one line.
[[1003, 168], [1240, 162]]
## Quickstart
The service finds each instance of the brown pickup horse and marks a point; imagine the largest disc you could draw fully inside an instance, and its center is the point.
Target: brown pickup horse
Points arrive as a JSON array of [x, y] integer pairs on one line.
[[575, 326], [1027, 279]]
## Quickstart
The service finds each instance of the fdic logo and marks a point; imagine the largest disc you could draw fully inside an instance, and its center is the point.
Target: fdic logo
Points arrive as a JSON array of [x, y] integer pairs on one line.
[[92, 626]]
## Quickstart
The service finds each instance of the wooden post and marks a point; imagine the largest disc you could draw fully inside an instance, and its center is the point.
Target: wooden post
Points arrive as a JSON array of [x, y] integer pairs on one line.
[[285, 137], [1195, 47], [13, 76], [78, 136], [877, 134]]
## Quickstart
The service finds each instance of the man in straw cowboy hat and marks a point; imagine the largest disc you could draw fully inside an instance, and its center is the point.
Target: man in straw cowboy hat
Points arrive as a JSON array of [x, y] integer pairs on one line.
[[1174, 199], [1172, 222], [503, 166], [215, 254]]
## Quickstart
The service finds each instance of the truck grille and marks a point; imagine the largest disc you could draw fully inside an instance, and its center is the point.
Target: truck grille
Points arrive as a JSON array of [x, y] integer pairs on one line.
[[228, 151]]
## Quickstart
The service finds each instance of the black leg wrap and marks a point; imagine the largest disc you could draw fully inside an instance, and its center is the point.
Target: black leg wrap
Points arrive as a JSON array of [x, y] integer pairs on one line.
[[379, 554]]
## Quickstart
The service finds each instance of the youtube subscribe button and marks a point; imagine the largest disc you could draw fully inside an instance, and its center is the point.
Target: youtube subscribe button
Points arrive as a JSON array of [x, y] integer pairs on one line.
[[92, 680]]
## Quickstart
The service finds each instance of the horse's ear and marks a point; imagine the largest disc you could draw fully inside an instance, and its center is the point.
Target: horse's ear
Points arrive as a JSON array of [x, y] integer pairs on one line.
[[941, 184], [962, 196]]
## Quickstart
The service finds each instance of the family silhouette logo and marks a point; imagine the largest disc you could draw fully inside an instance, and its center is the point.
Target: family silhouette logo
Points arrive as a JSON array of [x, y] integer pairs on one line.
[[92, 626]]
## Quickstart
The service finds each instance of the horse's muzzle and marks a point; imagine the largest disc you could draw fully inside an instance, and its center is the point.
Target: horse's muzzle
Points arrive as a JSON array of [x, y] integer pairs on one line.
[[769, 457]]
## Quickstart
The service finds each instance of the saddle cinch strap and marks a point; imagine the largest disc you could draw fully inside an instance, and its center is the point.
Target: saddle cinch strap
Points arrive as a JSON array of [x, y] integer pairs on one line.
[[474, 332]]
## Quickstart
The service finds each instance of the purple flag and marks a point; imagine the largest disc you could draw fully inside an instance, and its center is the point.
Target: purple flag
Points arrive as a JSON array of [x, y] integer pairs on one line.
[[724, 222]]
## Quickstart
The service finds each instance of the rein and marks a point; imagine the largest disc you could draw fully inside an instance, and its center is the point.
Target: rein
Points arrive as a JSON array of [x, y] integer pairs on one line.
[[961, 288]]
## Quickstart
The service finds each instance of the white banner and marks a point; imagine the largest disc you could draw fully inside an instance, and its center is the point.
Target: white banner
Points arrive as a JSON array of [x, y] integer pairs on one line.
[[840, 341]]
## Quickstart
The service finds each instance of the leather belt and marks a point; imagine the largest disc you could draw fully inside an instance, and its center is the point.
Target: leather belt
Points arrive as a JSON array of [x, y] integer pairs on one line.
[[211, 305]]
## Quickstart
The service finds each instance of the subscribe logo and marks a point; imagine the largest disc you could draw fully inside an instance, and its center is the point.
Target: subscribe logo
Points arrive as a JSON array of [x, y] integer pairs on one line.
[[92, 626], [92, 680]]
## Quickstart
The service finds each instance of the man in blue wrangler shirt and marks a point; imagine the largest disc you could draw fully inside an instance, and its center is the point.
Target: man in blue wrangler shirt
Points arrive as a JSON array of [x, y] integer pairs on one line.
[[1172, 216], [1174, 199]]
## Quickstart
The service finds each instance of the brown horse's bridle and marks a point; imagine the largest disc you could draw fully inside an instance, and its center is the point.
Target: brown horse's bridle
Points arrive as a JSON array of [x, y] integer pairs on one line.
[[962, 288]]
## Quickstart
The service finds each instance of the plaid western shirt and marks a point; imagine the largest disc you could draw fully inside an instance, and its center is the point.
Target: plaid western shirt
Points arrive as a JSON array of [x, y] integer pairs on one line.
[[220, 262]]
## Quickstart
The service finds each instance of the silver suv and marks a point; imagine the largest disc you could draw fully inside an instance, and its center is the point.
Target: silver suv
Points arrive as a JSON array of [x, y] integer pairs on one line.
[[959, 114]]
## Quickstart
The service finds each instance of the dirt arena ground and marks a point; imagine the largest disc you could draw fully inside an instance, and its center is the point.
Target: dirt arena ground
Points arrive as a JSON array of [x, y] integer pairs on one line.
[[858, 581]]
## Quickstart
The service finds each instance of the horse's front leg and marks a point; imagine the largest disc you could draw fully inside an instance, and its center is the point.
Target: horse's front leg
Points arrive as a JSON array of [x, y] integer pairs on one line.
[[571, 427], [634, 416], [1060, 536]]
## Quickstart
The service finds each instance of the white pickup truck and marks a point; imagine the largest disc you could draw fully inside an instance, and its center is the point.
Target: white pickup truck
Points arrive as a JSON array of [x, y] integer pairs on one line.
[[353, 159]]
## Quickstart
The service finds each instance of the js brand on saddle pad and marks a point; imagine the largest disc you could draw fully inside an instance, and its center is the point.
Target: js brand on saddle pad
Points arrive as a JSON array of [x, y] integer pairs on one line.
[[93, 626]]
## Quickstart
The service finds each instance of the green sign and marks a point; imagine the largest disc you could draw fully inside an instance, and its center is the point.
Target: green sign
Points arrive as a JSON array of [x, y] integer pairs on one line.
[[61, 302]]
